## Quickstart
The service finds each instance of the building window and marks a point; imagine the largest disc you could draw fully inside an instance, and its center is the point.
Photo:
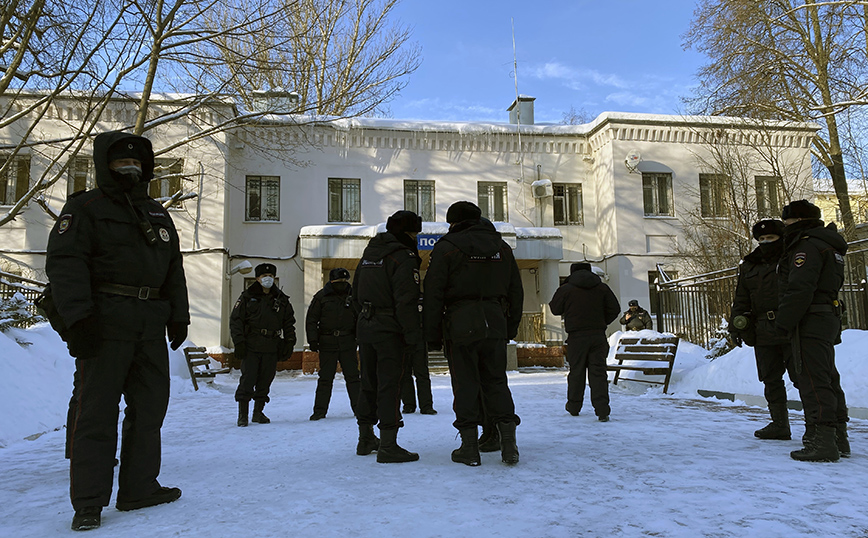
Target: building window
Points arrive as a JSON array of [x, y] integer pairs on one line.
[[263, 198], [419, 198], [14, 178], [713, 189], [491, 198], [657, 195], [768, 196], [168, 174], [567, 202], [79, 176], [345, 203]]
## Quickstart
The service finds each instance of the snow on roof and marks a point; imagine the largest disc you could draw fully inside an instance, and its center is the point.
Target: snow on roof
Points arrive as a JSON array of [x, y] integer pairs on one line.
[[824, 185]]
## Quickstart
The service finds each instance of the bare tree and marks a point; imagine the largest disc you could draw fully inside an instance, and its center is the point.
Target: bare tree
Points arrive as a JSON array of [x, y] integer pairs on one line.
[[787, 60], [576, 117]]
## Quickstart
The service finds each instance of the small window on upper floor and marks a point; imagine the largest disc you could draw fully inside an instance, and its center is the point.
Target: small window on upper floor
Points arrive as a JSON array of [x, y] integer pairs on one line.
[[491, 198], [263, 198], [345, 202], [79, 176], [713, 195], [768, 196], [14, 178], [567, 203], [657, 195], [168, 176], [419, 198]]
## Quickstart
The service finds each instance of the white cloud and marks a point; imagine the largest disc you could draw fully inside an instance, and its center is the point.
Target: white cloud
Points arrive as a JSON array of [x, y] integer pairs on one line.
[[577, 78], [461, 109]]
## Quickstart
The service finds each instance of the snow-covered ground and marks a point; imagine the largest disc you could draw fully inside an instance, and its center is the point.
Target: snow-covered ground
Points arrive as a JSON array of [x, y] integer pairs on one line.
[[666, 465]]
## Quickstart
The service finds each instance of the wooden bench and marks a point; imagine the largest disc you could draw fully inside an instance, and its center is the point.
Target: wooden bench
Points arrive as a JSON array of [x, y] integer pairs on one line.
[[645, 349], [199, 365]]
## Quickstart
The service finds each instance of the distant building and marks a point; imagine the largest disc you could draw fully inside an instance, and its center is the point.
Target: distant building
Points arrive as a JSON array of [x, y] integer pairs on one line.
[[609, 192], [827, 201]]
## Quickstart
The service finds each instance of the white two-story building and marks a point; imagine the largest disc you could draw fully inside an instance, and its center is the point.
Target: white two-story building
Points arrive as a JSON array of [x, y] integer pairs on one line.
[[307, 196]]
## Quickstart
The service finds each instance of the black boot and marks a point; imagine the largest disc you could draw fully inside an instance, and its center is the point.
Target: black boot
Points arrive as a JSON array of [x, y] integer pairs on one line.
[[86, 518], [489, 441], [508, 448], [243, 410], [258, 415], [810, 429], [821, 447], [468, 452], [161, 496], [779, 427], [368, 441], [390, 452], [842, 440]]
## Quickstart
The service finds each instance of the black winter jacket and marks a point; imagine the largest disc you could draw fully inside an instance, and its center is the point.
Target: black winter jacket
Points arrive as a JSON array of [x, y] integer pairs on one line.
[[98, 240], [386, 291], [810, 275], [331, 320], [472, 287], [587, 305], [756, 295], [639, 320], [263, 322]]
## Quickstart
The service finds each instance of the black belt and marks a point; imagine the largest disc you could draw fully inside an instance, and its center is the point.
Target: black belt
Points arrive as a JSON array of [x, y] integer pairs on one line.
[[267, 333], [821, 308], [144, 293], [337, 333]]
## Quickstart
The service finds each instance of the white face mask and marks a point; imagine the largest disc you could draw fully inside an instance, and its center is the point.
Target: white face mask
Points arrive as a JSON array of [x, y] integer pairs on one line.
[[266, 281]]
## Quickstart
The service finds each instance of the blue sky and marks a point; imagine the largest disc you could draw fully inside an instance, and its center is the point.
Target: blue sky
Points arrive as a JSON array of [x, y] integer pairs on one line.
[[596, 55]]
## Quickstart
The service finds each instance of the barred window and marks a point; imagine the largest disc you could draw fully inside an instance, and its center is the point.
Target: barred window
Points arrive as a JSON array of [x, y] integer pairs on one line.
[[79, 175], [567, 202], [263, 198], [14, 178], [657, 195], [491, 198], [713, 194], [419, 198], [345, 204]]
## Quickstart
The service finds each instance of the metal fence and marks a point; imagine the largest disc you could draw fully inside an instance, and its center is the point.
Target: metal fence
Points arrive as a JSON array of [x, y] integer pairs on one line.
[[693, 308], [531, 328], [10, 284]]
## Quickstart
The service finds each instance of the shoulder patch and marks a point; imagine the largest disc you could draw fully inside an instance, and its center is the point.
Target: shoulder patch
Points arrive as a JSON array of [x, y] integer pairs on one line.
[[164, 235], [799, 259], [156, 213], [65, 221], [372, 263]]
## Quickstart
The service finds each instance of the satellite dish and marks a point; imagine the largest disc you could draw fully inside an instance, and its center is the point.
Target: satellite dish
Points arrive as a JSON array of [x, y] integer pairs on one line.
[[632, 160]]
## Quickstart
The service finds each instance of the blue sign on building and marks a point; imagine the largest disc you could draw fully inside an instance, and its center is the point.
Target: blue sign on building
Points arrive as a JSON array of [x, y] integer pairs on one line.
[[426, 242]]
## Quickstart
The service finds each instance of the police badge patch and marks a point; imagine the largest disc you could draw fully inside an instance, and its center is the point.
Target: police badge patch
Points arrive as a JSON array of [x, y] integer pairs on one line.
[[164, 234], [65, 221], [799, 259]]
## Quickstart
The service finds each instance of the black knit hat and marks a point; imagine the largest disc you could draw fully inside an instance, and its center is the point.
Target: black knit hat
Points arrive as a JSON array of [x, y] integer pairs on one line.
[[461, 211], [129, 148], [800, 209], [768, 227], [404, 222], [579, 266], [339, 273], [265, 268]]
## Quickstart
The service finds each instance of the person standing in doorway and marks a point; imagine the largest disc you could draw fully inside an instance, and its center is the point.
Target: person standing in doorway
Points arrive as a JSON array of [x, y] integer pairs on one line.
[[262, 325], [588, 306]]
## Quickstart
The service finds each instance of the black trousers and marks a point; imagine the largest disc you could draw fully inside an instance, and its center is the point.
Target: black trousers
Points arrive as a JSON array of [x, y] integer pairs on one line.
[[257, 373], [820, 384], [138, 370], [419, 369], [771, 363], [479, 368], [383, 367], [328, 367], [586, 355]]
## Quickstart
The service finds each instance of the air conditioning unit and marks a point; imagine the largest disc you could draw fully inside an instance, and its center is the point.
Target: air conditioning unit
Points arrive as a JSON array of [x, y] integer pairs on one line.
[[542, 188]]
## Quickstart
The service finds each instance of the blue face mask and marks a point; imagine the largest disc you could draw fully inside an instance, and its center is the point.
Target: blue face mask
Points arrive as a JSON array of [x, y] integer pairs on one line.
[[266, 282]]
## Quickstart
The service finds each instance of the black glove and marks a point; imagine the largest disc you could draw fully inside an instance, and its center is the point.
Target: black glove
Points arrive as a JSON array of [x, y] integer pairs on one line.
[[314, 346], [736, 339], [83, 338], [177, 331], [240, 351], [435, 345], [285, 349]]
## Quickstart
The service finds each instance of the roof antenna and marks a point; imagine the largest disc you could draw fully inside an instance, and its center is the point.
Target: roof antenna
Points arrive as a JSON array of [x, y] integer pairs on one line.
[[517, 105]]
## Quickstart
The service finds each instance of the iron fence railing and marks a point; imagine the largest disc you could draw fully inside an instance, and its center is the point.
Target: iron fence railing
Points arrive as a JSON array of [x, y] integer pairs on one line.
[[693, 308], [10, 284], [531, 328]]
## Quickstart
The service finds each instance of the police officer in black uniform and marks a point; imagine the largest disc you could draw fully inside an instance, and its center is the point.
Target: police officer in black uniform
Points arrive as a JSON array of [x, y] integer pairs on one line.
[[473, 302], [756, 303], [386, 289], [117, 280], [810, 274], [331, 330], [262, 325]]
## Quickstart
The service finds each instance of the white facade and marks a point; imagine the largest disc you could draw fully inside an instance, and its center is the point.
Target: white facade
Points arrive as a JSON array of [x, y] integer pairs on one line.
[[612, 231]]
